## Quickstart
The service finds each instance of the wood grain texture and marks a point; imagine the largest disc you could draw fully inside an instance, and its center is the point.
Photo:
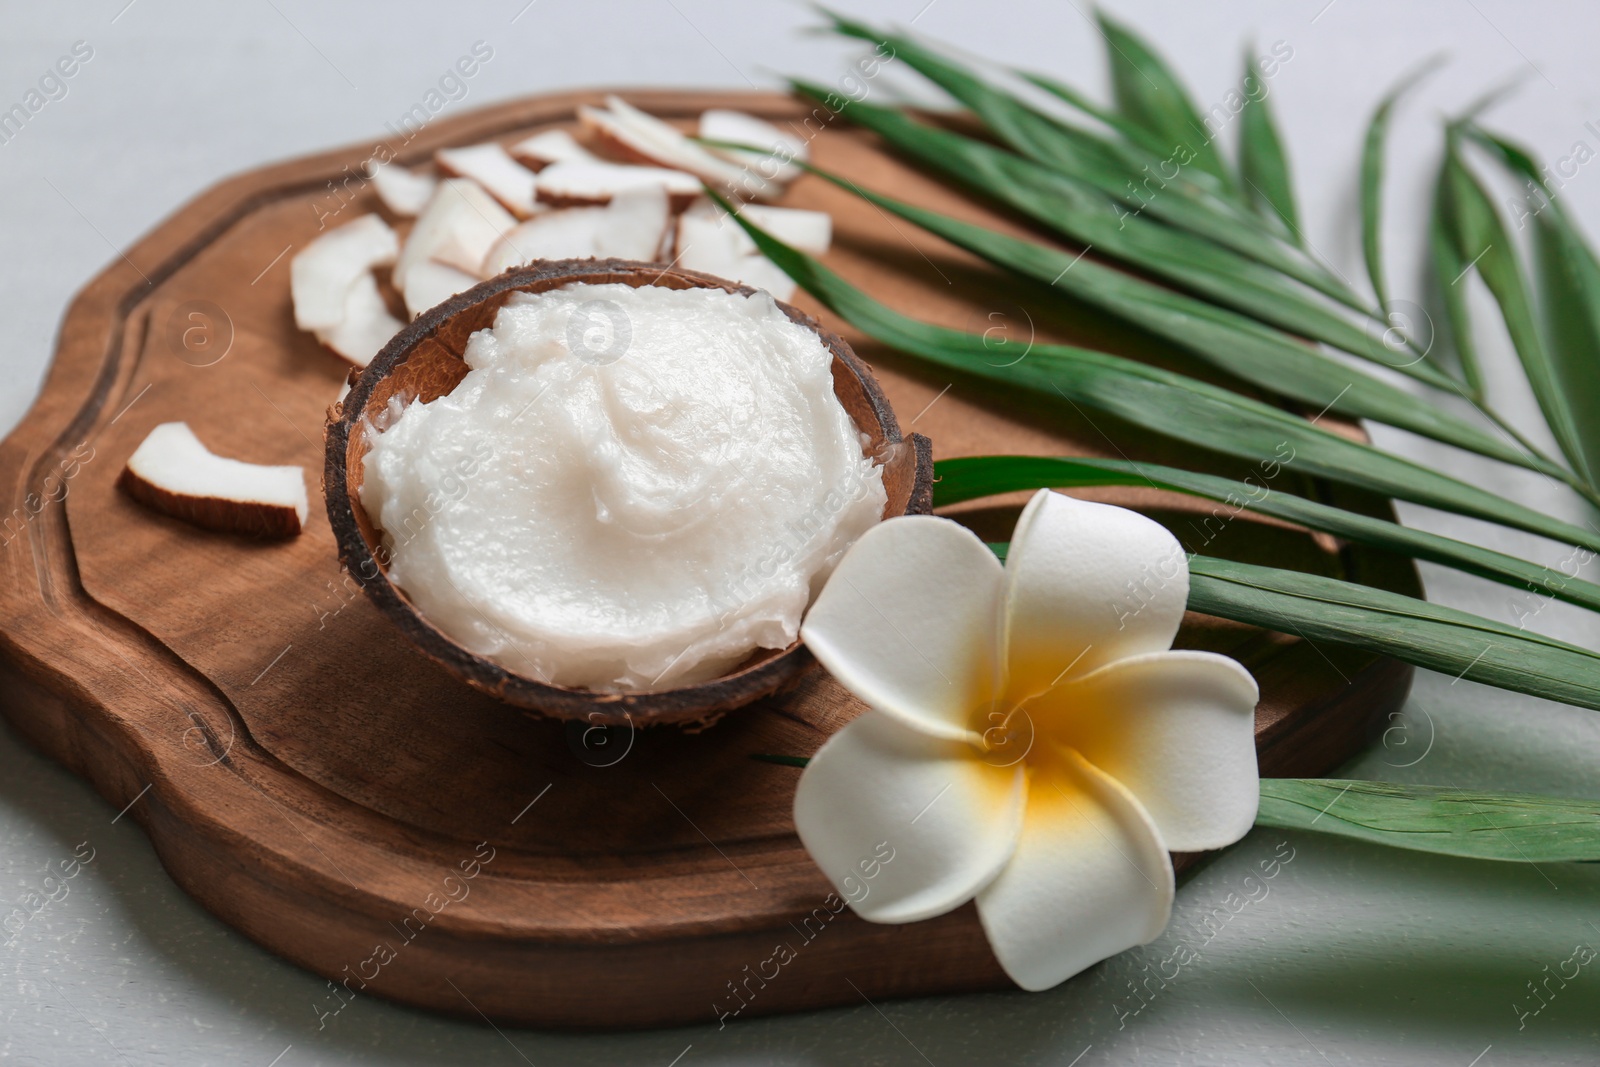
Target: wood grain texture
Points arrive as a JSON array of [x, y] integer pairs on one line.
[[316, 783]]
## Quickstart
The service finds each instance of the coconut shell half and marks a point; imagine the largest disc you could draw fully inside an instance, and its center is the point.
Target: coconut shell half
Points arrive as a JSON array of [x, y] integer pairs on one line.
[[424, 361]]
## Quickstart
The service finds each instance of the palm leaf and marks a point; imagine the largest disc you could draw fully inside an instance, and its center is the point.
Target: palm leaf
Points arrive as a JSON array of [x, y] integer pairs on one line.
[[1449, 270], [1518, 827], [1080, 213], [1389, 624], [1149, 93], [1569, 290], [971, 477], [1512, 827], [1155, 146], [1372, 181], [1263, 163], [1231, 342], [1103, 162], [1143, 181], [1452, 642], [1482, 241], [1125, 196], [1171, 405]]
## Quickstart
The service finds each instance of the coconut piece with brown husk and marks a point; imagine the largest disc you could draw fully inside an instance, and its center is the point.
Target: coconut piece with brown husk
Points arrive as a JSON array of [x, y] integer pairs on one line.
[[173, 473], [736, 127], [632, 226], [492, 167], [430, 283], [800, 228], [628, 133], [566, 233], [551, 146], [708, 240], [458, 227], [404, 192], [579, 184], [367, 324], [323, 273]]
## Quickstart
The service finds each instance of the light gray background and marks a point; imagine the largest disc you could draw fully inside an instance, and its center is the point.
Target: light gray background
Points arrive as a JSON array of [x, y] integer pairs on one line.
[[1356, 955]]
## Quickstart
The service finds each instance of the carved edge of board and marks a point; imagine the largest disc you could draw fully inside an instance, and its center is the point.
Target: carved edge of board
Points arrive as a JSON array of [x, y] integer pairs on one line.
[[86, 720]]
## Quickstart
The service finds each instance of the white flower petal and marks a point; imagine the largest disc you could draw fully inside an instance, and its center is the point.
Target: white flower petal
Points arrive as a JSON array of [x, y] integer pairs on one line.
[[1176, 728], [906, 826], [909, 623], [1087, 584], [1090, 878]]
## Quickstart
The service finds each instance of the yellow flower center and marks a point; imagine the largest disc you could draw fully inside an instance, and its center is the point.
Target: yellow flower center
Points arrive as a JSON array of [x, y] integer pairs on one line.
[[1028, 729]]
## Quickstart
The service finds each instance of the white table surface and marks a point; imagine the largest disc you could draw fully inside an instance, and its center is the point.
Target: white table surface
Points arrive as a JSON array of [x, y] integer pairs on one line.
[[1356, 956]]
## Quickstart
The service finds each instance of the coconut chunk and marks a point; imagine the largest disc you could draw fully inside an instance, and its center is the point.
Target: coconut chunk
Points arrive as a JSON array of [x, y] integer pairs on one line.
[[808, 231], [719, 124], [551, 146], [761, 273], [566, 233], [322, 274], [458, 227], [577, 184], [633, 134], [172, 472], [367, 324], [708, 240], [632, 226], [492, 167], [703, 243], [635, 224], [430, 283], [404, 192]]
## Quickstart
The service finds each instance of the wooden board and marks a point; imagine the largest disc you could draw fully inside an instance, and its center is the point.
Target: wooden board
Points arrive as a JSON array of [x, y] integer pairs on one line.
[[309, 778]]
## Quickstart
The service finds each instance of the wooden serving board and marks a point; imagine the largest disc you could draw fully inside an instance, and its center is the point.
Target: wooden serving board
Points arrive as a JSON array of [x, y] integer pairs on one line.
[[313, 781]]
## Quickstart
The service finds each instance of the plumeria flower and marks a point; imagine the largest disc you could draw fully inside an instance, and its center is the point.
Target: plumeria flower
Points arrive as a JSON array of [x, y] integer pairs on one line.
[[1033, 741]]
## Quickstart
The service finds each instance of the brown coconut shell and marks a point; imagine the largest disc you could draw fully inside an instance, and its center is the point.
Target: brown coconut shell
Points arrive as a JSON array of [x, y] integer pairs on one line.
[[424, 361]]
